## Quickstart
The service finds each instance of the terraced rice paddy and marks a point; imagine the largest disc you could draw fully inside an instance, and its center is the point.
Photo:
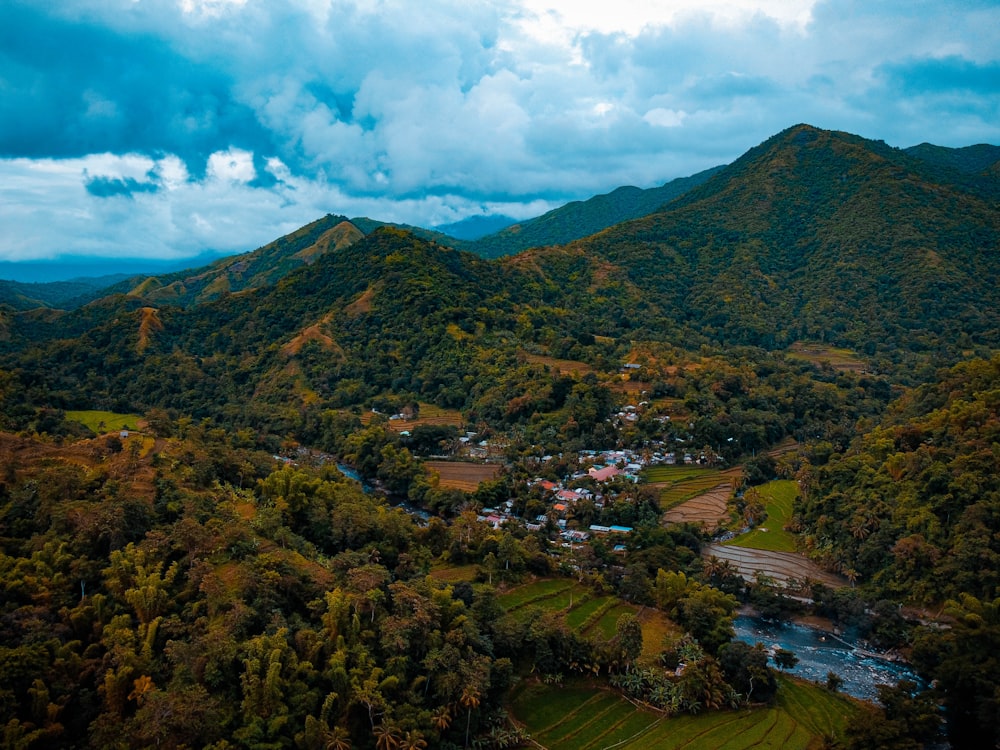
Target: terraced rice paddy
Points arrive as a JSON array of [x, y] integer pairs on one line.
[[782, 567], [693, 494], [588, 717], [584, 611]]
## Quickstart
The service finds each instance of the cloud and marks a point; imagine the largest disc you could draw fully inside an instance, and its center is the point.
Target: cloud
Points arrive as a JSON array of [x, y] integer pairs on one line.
[[234, 120]]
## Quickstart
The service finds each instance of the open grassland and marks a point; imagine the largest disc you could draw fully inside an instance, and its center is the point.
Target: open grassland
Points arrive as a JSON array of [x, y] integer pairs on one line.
[[584, 716], [778, 497], [462, 475], [820, 354], [104, 421]]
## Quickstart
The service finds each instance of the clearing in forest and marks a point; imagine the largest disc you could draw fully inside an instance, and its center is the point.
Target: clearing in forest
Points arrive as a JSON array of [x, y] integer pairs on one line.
[[104, 421], [820, 354]]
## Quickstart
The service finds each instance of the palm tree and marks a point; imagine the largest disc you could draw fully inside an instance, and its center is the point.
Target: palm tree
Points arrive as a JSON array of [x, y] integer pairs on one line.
[[412, 741], [336, 738], [386, 737], [441, 719], [470, 700]]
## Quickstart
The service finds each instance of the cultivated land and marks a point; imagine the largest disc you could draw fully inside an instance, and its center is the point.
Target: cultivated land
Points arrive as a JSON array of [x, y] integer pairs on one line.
[[693, 494], [592, 615], [581, 716], [462, 475], [787, 568], [429, 414]]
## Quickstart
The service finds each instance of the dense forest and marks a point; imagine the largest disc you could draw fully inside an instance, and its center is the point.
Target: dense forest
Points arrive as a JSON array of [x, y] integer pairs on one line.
[[213, 579]]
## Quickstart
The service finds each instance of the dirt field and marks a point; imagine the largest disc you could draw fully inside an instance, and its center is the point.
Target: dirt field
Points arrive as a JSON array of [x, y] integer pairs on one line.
[[460, 475], [781, 566]]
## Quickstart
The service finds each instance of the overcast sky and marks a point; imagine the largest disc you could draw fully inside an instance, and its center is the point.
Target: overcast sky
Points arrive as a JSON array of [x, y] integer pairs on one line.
[[166, 128]]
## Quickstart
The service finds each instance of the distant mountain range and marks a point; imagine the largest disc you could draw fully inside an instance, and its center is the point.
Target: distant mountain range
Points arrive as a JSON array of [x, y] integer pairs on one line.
[[489, 236]]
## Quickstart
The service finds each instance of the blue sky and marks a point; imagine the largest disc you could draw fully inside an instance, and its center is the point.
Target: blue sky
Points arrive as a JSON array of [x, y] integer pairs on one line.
[[167, 128]]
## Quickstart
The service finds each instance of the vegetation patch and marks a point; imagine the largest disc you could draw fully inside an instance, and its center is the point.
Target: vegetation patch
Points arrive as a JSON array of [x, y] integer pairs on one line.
[[104, 421], [777, 497]]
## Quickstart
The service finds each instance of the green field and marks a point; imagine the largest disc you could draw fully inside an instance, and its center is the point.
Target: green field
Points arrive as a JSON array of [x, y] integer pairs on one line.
[[588, 717], [778, 497], [104, 421]]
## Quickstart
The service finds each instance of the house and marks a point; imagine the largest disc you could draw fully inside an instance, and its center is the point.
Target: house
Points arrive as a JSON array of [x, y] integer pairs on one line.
[[620, 529], [603, 475], [568, 496], [598, 529]]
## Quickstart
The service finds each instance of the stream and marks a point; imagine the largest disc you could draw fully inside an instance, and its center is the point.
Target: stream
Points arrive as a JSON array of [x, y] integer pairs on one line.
[[820, 652]]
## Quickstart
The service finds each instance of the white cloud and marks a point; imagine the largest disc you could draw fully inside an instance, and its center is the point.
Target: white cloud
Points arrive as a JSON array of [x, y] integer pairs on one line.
[[234, 165], [420, 113]]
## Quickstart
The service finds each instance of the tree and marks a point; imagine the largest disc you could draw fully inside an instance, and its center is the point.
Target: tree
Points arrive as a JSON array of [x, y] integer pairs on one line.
[[629, 638], [785, 659], [470, 701], [834, 682], [387, 737]]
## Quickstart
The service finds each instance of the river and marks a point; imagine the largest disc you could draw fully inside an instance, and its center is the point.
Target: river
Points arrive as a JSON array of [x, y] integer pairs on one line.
[[820, 653]]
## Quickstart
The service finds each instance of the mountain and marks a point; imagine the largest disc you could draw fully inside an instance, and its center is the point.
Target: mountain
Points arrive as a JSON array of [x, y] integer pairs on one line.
[[581, 218], [238, 273], [813, 235], [68, 294], [476, 227], [822, 236]]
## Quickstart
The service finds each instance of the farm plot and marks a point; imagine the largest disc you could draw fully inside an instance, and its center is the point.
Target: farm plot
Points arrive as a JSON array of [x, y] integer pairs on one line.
[[588, 717], [462, 475], [782, 567]]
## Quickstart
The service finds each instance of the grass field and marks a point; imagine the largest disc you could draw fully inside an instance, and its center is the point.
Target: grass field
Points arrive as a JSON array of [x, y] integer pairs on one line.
[[104, 421], [587, 717], [778, 497], [462, 475]]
